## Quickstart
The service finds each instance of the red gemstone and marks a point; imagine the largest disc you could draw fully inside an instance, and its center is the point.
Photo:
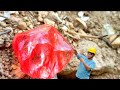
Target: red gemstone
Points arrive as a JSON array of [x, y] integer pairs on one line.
[[42, 52]]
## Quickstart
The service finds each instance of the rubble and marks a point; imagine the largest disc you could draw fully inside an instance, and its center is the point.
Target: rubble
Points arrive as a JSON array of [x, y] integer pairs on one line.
[[22, 25], [83, 24], [43, 14], [3, 24], [7, 15], [118, 50], [40, 19], [1, 42], [81, 15], [81, 29], [108, 30], [55, 16], [50, 22], [7, 44], [16, 71], [116, 42]]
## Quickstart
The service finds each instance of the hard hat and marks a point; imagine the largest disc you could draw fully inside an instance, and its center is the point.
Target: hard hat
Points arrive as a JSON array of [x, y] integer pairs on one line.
[[92, 50]]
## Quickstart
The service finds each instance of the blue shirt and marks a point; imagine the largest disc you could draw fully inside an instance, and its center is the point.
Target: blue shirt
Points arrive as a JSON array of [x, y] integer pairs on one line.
[[82, 72]]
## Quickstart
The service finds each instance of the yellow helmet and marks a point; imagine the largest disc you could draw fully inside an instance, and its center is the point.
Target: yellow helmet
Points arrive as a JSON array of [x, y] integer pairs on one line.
[[92, 50]]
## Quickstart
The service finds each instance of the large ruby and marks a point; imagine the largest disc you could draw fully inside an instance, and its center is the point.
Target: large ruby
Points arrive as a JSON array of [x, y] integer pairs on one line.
[[42, 52]]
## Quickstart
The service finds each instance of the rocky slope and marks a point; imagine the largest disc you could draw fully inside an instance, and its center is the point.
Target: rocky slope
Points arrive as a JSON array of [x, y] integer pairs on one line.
[[74, 26]]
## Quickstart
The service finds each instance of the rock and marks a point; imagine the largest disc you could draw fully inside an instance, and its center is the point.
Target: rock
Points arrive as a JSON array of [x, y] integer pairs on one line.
[[59, 12], [118, 50], [108, 29], [2, 19], [7, 44], [82, 17], [42, 13], [19, 31], [56, 26], [1, 28], [28, 23], [74, 44], [71, 68], [15, 19], [38, 23], [48, 21], [63, 22], [22, 13], [80, 14], [55, 15], [40, 19], [22, 25], [8, 13], [7, 59], [64, 28], [81, 32], [3, 24], [71, 25], [9, 28], [1, 42], [82, 23], [31, 26], [15, 31], [25, 19], [115, 43], [77, 37]]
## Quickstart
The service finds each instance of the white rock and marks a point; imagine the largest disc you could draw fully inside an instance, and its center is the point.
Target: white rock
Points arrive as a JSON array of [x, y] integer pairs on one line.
[[82, 17], [8, 13], [19, 31], [48, 21], [64, 28], [43, 13], [31, 26], [2, 19], [85, 18], [40, 19], [80, 14], [38, 23]]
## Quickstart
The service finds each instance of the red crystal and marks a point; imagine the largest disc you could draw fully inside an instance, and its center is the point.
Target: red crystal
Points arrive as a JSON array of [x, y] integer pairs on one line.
[[42, 52]]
